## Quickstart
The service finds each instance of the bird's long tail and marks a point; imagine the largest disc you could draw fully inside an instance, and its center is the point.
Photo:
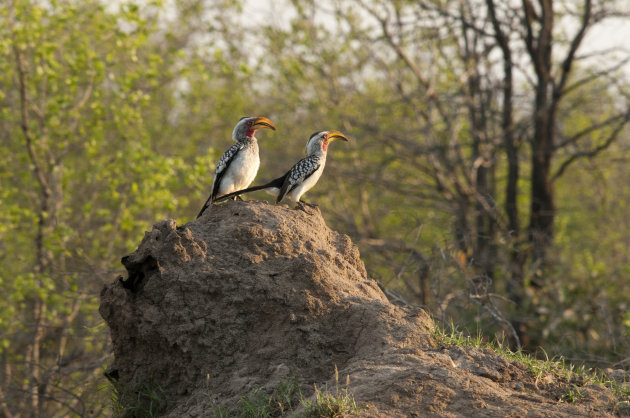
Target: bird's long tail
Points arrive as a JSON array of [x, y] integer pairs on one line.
[[205, 206], [240, 192], [273, 183]]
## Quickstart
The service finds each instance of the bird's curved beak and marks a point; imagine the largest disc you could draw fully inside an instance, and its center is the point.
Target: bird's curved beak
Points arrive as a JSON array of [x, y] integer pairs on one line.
[[261, 123], [334, 136]]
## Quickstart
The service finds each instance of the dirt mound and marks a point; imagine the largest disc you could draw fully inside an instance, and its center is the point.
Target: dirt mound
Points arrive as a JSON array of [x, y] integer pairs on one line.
[[251, 294]]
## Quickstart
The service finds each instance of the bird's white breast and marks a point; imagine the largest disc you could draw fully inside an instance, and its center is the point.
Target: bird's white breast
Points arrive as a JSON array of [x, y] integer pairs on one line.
[[242, 171], [307, 184]]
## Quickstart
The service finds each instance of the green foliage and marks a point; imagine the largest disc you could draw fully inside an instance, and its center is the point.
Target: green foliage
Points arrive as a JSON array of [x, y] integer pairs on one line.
[[97, 147], [404, 187]]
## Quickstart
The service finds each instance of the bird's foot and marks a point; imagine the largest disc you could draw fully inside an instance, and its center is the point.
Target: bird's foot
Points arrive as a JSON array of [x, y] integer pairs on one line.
[[300, 206]]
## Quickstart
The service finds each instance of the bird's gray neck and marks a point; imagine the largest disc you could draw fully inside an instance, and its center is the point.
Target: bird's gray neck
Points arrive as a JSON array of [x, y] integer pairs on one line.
[[246, 140], [319, 154]]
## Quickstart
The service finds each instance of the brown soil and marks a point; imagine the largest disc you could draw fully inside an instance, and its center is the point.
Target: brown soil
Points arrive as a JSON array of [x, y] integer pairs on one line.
[[251, 294]]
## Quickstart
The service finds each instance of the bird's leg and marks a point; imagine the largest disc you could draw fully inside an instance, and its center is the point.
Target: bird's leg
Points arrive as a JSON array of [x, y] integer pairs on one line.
[[300, 206], [238, 198], [310, 205]]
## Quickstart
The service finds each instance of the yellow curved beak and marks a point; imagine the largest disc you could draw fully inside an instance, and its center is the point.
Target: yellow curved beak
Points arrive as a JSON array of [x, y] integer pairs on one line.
[[261, 123], [335, 136]]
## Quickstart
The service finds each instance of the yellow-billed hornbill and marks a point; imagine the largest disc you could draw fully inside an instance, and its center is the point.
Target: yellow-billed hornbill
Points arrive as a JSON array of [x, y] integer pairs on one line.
[[238, 165], [303, 175]]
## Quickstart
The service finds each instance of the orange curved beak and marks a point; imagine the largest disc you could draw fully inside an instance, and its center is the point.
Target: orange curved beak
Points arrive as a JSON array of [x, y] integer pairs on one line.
[[262, 122], [335, 136]]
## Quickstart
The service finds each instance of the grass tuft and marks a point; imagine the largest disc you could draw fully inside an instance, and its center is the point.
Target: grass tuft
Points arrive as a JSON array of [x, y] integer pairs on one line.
[[576, 376], [572, 394], [148, 401], [258, 404], [332, 404], [287, 396]]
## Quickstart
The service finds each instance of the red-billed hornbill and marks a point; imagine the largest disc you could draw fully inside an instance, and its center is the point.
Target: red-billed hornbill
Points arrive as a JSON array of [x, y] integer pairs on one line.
[[303, 175], [238, 165]]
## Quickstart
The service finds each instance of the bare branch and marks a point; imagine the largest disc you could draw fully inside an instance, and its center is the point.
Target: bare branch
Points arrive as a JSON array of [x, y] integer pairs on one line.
[[37, 171], [596, 75], [430, 92], [494, 312], [530, 16], [593, 152], [575, 44], [607, 122], [4, 407]]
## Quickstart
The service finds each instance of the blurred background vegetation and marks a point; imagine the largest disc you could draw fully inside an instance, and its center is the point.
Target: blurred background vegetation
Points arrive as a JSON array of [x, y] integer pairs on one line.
[[487, 179]]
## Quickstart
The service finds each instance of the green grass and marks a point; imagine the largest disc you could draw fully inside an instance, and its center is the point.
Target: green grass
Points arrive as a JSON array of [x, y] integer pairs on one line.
[[287, 397], [338, 403], [576, 376], [572, 394], [258, 404], [147, 402]]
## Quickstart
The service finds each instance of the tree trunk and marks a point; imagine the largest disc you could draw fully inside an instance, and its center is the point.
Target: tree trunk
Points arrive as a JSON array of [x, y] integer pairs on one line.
[[539, 42], [543, 209]]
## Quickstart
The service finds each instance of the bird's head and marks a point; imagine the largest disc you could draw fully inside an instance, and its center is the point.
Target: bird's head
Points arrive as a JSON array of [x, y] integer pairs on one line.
[[319, 141], [247, 126]]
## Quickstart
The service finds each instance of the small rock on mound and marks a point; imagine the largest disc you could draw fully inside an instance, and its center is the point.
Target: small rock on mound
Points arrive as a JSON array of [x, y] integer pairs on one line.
[[251, 294]]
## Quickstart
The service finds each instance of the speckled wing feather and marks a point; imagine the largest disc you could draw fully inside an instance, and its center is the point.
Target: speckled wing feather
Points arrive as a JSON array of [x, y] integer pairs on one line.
[[224, 163], [298, 173]]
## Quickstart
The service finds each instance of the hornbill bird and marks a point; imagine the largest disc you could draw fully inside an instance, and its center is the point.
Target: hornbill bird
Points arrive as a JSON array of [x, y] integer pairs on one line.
[[303, 175], [238, 165]]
